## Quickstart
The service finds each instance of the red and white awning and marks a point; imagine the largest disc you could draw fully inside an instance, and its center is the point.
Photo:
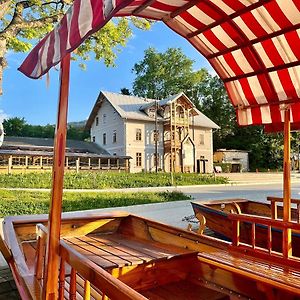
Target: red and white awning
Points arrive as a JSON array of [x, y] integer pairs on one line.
[[253, 45]]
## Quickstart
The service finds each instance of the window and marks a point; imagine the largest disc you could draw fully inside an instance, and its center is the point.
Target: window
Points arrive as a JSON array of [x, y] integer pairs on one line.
[[138, 159], [115, 114], [97, 121], [201, 139], [94, 139], [114, 138], [104, 118], [155, 135], [138, 134], [104, 138]]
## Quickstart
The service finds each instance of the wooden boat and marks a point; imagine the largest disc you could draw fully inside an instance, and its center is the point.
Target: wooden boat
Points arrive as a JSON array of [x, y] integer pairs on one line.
[[216, 215], [122, 256]]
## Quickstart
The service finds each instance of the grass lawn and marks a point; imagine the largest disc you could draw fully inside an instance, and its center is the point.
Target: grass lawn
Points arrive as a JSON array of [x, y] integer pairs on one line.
[[20, 202], [105, 180]]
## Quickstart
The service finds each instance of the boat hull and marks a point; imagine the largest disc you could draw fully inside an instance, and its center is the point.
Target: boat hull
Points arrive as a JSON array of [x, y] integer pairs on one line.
[[216, 214], [123, 256]]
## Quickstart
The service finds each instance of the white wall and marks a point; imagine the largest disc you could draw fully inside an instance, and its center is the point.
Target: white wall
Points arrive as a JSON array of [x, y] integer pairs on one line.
[[205, 149], [146, 146], [113, 122], [238, 157]]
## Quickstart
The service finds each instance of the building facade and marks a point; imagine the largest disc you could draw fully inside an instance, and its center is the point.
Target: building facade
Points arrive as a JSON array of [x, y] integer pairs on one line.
[[165, 135], [239, 159]]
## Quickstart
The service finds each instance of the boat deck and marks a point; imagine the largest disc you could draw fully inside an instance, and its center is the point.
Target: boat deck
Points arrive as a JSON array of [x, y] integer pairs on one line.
[[286, 277], [151, 261], [116, 251], [111, 251], [119, 253]]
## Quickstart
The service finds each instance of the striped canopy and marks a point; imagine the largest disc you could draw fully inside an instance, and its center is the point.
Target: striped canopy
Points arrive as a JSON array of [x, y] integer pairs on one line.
[[253, 45]]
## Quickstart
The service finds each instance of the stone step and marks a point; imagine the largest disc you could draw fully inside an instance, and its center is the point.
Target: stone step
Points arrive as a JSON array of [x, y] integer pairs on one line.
[[8, 289]]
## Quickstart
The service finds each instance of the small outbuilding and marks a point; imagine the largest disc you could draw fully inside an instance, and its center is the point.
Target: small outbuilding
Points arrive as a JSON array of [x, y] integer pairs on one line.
[[237, 159], [37, 153]]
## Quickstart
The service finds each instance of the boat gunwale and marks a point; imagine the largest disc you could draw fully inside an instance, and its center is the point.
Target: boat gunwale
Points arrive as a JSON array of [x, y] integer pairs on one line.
[[220, 201], [20, 268], [222, 245]]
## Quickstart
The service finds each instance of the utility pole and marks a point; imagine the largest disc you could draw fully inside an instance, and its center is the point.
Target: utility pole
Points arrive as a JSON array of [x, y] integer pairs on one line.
[[156, 138], [298, 157]]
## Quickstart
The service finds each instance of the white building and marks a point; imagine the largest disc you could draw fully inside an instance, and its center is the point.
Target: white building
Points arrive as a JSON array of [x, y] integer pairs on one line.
[[127, 125]]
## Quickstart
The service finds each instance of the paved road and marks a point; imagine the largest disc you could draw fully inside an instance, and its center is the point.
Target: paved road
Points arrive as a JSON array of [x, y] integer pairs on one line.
[[172, 213]]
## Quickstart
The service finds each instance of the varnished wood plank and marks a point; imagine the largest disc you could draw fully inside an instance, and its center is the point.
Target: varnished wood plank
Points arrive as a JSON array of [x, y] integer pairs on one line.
[[78, 294], [98, 252], [157, 249], [119, 245], [61, 278], [280, 276], [29, 254], [152, 295], [54, 223], [156, 273], [87, 228], [265, 221], [110, 247], [99, 260], [87, 290], [73, 284], [287, 233], [97, 276], [94, 294], [137, 245], [183, 290], [40, 255]]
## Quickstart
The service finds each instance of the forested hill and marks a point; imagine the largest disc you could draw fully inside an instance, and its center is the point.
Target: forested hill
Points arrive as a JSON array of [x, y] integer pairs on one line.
[[19, 127]]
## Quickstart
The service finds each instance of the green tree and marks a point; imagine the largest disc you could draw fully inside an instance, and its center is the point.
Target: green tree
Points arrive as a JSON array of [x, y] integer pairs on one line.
[[160, 75], [14, 126], [125, 91], [19, 127], [23, 22], [77, 133], [215, 104]]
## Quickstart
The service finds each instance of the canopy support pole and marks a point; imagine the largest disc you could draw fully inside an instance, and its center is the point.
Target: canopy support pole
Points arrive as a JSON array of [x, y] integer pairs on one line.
[[52, 255], [287, 242]]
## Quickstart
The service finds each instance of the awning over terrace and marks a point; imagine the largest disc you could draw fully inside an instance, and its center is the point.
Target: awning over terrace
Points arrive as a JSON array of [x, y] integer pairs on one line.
[[253, 45]]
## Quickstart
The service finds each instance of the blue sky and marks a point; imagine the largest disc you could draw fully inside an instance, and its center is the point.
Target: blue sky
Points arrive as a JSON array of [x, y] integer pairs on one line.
[[31, 99]]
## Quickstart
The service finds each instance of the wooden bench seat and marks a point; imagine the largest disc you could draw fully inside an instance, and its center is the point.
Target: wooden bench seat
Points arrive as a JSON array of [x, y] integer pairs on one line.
[[260, 270], [116, 250]]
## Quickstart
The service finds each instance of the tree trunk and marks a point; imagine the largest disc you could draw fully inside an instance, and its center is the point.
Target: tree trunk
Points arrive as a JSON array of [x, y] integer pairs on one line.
[[3, 63]]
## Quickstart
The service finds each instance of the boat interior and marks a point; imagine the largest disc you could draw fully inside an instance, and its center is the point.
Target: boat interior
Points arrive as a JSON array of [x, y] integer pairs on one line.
[[122, 256], [272, 208]]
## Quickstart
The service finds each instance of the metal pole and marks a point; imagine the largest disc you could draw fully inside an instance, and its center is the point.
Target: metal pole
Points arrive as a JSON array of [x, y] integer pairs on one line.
[[52, 255]]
